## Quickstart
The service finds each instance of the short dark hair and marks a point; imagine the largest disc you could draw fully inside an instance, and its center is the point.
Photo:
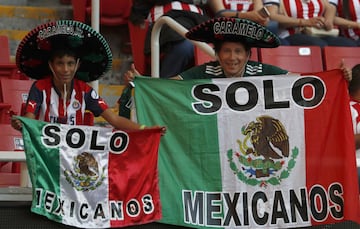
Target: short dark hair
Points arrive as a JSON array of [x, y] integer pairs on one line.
[[218, 44], [61, 52], [354, 84]]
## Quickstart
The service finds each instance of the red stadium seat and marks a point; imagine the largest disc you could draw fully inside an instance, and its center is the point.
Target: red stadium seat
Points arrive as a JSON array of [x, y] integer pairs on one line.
[[112, 12], [11, 140], [4, 50], [9, 179], [137, 39], [201, 57], [14, 92], [297, 59], [254, 54], [7, 69], [332, 56], [5, 112]]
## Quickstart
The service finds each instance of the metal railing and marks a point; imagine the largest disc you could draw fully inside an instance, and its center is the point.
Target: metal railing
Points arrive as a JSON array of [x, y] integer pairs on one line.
[[155, 44]]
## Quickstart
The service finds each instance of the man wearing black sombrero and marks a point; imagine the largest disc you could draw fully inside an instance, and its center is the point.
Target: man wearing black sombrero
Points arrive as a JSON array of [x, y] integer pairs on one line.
[[62, 56], [233, 39]]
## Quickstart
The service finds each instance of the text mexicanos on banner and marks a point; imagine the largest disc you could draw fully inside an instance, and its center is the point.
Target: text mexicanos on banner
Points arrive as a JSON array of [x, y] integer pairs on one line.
[[273, 151], [92, 177]]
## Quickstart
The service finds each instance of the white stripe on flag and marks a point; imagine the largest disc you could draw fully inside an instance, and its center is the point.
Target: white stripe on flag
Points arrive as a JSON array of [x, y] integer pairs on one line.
[[88, 195]]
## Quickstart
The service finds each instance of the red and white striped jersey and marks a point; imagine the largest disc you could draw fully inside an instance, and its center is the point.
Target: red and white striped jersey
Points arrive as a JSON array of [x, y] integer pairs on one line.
[[353, 15], [239, 5], [159, 10], [301, 9], [45, 102]]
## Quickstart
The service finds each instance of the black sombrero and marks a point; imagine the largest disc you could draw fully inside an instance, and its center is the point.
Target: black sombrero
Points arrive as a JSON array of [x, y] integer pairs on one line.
[[34, 50], [234, 29]]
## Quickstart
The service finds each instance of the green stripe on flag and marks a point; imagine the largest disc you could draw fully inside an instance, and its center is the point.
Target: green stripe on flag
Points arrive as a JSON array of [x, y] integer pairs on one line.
[[43, 163], [180, 150]]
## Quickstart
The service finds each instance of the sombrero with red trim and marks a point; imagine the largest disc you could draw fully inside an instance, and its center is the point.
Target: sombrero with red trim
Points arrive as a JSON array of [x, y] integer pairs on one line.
[[234, 29], [35, 49]]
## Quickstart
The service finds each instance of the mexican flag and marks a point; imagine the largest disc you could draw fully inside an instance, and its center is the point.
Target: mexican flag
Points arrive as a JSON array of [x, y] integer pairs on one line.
[[92, 177], [272, 151]]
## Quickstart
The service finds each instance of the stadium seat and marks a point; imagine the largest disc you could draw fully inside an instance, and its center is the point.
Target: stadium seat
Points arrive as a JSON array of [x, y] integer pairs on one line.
[[201, 57], [4, 50], [11, 140], [297, 59], [7, 68], [5, 112], [254, 54], [14, 92], [137, 39], [333, 55], [11, 71], [9, 179], [112, 12]]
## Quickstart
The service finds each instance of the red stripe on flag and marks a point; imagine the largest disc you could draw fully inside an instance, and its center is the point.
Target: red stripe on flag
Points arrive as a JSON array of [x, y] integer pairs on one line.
[[133, 178], [330, 148]]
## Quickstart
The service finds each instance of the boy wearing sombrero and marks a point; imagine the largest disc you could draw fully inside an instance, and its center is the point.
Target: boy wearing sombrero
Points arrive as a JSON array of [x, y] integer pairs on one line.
[[233, 39], [62, 56]]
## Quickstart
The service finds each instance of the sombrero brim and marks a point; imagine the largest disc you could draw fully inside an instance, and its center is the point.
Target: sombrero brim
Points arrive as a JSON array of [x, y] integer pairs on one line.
[[34, 50], [234, 29]]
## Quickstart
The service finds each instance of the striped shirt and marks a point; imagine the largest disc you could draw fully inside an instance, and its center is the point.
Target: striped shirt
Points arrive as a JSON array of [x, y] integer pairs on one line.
[[299, 9], [239, 5], [157, 11], [214, 70], [354, 15], [45, 102]]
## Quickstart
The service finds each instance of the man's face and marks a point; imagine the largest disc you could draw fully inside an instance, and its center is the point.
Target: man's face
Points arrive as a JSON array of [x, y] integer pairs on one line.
[[64, 69], [233, 58]]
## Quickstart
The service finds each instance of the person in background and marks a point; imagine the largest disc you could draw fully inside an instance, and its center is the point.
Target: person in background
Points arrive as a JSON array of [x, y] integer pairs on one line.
[[177, 52], [348, 19], [295, 15], [253, 10], [62, 56], [354, 92], [249, 9]]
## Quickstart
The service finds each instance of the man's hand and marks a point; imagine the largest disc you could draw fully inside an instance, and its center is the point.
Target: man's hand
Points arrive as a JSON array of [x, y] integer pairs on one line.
[[130, 74], [347, 72]]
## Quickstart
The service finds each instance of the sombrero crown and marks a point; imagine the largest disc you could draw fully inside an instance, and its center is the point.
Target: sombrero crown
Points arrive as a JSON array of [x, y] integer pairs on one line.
[[234, 29], [35, 49]]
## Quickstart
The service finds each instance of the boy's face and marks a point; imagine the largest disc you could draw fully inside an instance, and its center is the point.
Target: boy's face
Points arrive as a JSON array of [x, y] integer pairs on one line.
[[64, 69]]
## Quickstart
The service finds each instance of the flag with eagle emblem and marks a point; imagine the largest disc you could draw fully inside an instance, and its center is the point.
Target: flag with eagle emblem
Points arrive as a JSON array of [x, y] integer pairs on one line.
[[271, 151], [92, 177]]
